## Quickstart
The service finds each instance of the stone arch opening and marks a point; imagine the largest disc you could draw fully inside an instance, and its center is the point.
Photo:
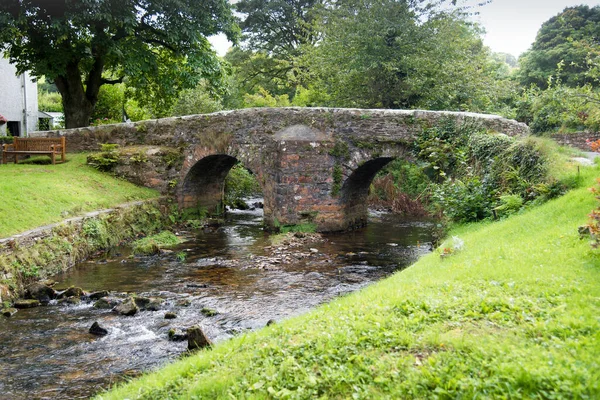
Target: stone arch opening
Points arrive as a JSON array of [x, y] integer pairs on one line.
[[202, 189], [355, 191]]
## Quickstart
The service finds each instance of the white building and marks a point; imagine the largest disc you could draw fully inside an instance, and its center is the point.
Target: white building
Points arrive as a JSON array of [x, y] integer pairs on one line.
[[18, 101]]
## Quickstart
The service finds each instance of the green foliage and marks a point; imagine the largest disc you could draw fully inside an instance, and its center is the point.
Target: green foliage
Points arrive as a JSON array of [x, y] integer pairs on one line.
[[465, 200], [509, 204], [443, 148], [198, 100], [157, 47], [153, 244], [49, 101], [567, 39], [561, 108], [275, 35], [306, 227], [107, 159], [181, 256], [471, 170], [379, 54], [262, 98], [239, 184]]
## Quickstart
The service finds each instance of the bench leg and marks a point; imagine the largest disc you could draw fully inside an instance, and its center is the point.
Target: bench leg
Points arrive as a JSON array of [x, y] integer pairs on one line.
[[3, 158], [16, 158], [53, 158]]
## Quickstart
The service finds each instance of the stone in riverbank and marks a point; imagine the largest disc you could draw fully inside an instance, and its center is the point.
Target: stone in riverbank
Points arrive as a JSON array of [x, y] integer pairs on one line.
[[155, 304], [170, 315], [177, 335], [40, 292], [71, 292], [31, 303], [127, 308], [107, 302], [97, 330], [197, 339], [9, 312], [98, 295]]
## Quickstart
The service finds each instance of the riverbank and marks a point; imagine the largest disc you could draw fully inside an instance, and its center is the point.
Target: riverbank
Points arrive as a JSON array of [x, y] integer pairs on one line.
[[35, 193], [505, 309]]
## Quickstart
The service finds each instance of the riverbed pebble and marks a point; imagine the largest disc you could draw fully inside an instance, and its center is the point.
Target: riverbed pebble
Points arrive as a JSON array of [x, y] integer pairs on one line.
[[97, 330], [127, 308], [197, 339], [9, 312], [170, 315]]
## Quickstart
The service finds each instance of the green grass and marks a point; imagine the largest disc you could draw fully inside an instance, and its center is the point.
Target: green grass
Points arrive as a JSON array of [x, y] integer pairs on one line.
[[153, 244], [37, 193], [513, 314]]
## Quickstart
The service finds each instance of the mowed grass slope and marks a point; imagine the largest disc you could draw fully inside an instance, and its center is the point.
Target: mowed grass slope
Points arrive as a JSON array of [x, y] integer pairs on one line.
[[514, 314], [33, 194]]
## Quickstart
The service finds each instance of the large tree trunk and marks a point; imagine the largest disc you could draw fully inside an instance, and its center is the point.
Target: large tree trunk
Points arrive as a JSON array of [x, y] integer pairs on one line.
[[77, 105]]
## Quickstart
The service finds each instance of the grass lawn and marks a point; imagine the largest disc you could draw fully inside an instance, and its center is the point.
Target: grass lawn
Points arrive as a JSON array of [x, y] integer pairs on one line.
[[514, 314], [35, 193]]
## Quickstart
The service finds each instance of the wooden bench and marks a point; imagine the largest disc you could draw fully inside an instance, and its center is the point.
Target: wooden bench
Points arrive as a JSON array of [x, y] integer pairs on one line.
[[34, 147]]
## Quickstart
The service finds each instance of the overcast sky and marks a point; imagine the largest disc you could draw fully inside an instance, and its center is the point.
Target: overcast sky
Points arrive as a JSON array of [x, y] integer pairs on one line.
[[511, 25]]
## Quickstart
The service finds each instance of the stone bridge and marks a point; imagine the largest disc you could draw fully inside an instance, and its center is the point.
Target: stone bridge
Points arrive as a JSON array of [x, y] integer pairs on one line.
[[315, 165]]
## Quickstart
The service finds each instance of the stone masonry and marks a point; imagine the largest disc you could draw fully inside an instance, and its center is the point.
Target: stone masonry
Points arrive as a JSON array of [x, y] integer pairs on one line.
[[315, 165]]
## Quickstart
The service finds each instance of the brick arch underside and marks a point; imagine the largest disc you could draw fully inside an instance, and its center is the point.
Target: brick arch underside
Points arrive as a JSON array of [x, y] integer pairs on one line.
[[355, 191], [203, 185]]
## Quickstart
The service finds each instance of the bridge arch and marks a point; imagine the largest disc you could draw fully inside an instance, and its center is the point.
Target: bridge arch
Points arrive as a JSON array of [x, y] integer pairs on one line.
[[202, 189], [355, 191]]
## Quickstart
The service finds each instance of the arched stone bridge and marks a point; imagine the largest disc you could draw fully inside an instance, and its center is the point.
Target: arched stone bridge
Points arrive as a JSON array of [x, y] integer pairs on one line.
[[314, 164]]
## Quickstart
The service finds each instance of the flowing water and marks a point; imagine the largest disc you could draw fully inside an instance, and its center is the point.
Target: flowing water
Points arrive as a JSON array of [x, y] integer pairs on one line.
[[47, 352]]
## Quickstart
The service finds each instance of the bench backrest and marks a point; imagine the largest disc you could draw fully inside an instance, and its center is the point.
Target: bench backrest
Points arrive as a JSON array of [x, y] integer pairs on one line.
[[37, 144]]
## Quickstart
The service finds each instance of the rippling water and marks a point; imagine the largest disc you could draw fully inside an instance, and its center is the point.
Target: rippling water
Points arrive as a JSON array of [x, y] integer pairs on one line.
[[47, 352]]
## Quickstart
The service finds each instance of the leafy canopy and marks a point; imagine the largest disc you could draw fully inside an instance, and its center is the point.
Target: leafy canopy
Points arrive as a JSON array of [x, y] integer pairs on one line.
[[155, 46], [570, 37]]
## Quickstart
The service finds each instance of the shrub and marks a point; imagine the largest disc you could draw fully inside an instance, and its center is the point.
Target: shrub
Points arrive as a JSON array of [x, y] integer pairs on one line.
[[464, 201]]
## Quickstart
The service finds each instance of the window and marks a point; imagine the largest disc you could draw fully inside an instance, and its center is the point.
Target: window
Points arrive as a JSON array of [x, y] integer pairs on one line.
[[13, 128]]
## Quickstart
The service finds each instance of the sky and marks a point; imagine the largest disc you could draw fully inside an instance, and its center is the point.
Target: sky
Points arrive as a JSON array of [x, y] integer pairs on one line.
[[511, 25]]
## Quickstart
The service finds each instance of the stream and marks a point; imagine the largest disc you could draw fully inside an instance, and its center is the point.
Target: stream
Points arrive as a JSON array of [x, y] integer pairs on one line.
[[48, 353]]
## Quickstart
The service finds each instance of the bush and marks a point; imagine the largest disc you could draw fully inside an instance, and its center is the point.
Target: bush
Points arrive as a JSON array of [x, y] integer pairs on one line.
[[464, 201]]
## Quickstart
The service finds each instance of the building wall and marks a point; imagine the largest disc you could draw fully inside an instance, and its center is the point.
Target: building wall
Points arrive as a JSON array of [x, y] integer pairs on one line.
[[17, 93]]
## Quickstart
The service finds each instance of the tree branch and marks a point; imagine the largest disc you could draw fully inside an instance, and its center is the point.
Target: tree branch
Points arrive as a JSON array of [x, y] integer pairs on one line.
[[104, 81]]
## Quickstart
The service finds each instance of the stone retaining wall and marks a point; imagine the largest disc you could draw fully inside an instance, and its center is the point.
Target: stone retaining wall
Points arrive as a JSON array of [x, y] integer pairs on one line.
[[40, 253], [577, 139]]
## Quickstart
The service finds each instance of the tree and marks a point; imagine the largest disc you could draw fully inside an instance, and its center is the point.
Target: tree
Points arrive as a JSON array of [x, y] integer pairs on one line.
[[158, 47], [275, 35], [402, 54], [279, 27], [571, 37]]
